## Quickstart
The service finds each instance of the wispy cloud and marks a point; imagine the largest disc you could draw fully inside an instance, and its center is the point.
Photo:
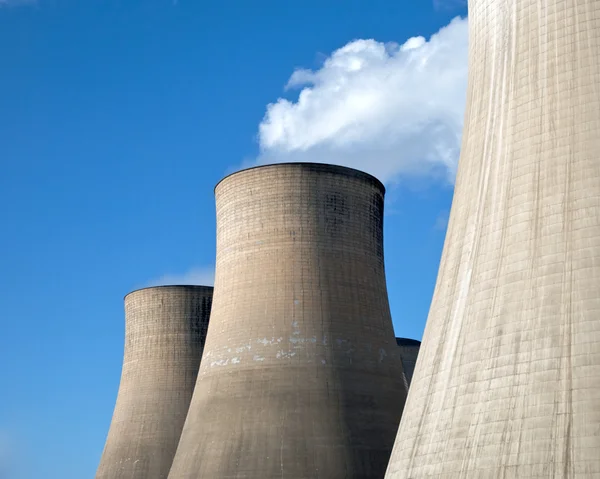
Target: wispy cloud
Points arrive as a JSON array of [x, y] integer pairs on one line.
[[203, 276], [389, 109]]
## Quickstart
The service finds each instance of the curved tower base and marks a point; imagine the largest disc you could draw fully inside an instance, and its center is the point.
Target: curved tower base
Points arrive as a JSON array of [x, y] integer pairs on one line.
[[507, 384], [165, 328], [301, 376]]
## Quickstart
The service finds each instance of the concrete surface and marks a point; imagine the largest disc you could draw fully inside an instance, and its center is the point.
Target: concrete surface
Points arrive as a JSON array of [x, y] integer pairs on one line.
[[507, 383], [409, 351], [301, 375], [165, 329]]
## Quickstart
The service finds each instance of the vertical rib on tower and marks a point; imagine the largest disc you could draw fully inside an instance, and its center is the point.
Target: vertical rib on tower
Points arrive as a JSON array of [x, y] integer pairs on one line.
[[507, 383], [165, 328], [301, 376]]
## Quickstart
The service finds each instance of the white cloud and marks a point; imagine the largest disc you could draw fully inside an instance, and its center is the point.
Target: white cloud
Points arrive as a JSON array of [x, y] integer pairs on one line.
[[388, 109], [203, 276]]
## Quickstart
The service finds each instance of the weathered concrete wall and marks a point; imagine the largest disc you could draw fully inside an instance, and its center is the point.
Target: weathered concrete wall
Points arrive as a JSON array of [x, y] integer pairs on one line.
[[409, 351], [508, 378], [301, 376], [165, 329]]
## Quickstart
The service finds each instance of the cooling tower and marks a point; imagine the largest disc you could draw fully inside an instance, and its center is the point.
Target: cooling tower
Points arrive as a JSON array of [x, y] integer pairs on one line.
[[507, 384], [165, 329], [409, 350], [301, 375]]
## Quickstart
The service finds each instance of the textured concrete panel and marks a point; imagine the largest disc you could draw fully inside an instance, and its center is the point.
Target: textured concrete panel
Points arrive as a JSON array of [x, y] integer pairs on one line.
[[507, 384], [409, 351], [301, 376], [165, 329]]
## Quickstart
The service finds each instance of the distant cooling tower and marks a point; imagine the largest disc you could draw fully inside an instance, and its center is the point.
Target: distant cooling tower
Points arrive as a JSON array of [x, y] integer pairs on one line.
[[301, 376], [507, 384], [165, 329], [409, 350]]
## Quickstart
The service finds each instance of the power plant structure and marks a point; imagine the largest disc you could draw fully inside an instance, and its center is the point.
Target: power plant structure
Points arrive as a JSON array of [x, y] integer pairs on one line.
[[301, 375], [409, 351], [507, 383], [165, 329]]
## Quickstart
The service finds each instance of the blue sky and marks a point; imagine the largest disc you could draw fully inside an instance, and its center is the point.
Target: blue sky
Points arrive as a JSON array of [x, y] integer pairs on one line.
[[117, 118]]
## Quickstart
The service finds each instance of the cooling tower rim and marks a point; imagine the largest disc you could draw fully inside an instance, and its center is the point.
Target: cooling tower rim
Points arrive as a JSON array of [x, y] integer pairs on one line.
[[179, 286], [407, 342], [348, 171]]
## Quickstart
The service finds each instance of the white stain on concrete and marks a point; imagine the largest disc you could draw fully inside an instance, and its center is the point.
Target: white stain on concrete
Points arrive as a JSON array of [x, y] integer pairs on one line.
[[296, 331], [220, 362], [285, 354], [265, 341], [247, 347], [303, 340]]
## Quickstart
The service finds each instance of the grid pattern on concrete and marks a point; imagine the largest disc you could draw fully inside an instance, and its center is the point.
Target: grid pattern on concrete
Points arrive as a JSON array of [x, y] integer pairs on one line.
[[507, 383], [165, 329], [301, 375]]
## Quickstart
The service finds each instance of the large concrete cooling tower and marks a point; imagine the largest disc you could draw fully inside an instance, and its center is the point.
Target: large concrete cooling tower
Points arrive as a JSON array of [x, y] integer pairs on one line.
[[409, 351], [165, 329], [301, 376], [507, 384]]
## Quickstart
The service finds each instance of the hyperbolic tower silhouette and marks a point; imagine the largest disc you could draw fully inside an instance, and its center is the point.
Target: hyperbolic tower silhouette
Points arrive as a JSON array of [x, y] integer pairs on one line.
[[301, 375], [165, 329], [507, 383]]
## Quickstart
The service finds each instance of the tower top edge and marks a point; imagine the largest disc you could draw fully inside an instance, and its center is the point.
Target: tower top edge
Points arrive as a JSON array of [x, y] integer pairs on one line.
[[316, 167], [182, 287]]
